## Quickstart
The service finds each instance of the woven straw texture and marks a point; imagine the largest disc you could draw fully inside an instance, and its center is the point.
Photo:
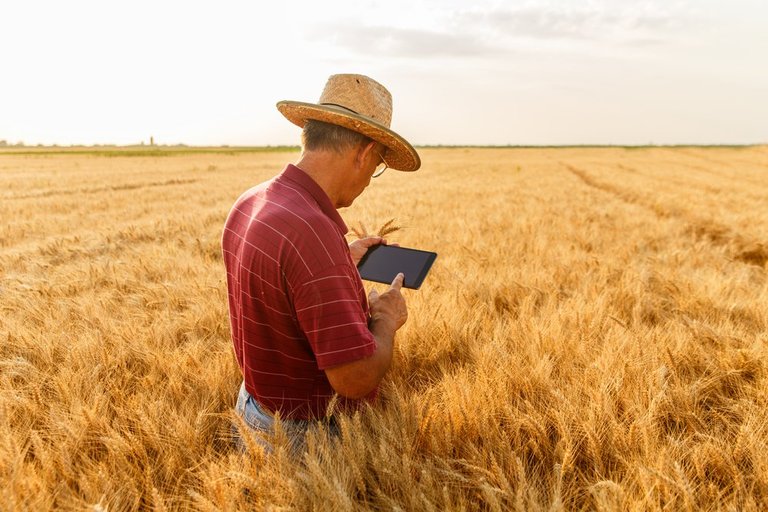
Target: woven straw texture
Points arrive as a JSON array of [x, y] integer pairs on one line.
[[360, 104]]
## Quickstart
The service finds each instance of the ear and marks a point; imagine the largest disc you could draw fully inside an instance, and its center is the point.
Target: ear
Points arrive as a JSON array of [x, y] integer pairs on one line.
[[364, 154]]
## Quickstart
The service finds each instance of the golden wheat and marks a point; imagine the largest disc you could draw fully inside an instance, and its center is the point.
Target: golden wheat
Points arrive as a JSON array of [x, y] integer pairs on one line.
[[387, 228], [592, 336]]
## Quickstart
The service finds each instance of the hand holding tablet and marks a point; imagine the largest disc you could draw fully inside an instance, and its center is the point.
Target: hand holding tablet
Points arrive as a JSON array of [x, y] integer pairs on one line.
[[383, 262]]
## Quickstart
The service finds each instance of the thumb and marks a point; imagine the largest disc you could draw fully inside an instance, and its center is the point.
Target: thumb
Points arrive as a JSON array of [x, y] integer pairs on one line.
[[373, 296]]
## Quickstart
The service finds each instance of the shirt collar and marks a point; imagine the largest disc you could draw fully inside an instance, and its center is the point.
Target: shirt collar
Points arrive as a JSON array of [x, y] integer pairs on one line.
[[303, 180]]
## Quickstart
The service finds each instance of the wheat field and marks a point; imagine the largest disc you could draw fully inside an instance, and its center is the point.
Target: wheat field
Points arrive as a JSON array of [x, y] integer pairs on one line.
[[593, 336]]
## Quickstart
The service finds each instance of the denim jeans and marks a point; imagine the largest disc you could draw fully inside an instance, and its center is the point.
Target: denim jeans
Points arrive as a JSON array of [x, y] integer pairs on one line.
[[262, 422]]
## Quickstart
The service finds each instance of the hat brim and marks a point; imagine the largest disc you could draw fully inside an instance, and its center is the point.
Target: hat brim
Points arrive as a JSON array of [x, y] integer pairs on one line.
[[400, 154]]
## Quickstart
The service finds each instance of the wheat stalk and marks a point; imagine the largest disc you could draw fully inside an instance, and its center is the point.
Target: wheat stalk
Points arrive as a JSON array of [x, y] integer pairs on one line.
[[387, 228]]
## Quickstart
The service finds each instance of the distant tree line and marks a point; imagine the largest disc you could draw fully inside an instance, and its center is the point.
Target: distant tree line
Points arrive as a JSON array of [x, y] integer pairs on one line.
[[5, 144]]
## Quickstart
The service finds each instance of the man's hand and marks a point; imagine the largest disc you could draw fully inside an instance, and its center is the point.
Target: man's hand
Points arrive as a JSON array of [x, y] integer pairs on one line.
[[389, 308], [359, 247], [388, 313]]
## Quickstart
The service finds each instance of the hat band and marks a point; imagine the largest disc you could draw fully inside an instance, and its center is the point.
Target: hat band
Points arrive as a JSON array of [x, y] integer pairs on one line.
[[341, 106]]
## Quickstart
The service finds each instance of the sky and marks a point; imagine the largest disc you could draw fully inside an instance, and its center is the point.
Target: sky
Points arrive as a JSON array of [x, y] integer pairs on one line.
[[536, 72]]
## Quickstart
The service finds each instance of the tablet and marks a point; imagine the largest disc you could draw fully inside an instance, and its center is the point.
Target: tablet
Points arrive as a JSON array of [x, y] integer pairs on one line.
[[383, 262]]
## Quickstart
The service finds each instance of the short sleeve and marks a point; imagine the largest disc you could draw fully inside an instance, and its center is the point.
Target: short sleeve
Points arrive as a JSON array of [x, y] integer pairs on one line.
[[330, 311]]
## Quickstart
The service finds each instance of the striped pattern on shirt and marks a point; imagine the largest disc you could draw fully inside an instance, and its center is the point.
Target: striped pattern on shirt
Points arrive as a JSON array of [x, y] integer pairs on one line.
[[296, 302]]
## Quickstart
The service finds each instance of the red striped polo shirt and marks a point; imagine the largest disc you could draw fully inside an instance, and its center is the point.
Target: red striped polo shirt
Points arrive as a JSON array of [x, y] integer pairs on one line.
[[296, 302]]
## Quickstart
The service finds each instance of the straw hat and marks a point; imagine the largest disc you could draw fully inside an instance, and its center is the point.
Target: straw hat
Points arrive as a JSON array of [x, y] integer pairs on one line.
[[360, 104]]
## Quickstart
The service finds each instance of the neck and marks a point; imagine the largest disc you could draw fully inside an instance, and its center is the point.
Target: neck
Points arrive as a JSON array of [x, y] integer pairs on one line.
[[327, 169]]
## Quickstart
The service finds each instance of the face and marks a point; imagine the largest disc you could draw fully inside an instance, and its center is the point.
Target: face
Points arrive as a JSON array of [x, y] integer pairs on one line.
[[366, 164]]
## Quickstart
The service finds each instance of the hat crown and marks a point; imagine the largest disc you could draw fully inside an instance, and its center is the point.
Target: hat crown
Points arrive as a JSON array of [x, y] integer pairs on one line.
[[360, 94]]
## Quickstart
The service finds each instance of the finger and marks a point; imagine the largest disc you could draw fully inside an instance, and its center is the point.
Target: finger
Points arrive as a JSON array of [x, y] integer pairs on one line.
[[398, 282], [373, 296], [366, 240]]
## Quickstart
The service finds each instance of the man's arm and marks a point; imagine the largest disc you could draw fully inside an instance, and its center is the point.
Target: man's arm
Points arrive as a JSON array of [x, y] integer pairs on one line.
[[388, 313]]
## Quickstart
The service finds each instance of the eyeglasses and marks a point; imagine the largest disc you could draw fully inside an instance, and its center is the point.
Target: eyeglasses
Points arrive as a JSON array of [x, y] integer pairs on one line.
[[380, 168]]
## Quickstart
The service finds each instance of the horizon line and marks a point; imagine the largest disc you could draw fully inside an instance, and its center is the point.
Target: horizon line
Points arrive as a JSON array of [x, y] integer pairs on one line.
[[20, 147]]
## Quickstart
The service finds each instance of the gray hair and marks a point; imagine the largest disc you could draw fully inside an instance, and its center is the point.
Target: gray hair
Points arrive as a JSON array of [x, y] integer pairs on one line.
[[318, 135]]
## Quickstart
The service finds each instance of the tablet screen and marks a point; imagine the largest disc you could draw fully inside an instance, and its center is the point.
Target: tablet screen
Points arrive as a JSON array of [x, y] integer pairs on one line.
[[383, 262]]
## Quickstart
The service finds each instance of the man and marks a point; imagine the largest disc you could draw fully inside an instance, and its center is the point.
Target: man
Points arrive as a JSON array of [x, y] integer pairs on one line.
[[302, 329]]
